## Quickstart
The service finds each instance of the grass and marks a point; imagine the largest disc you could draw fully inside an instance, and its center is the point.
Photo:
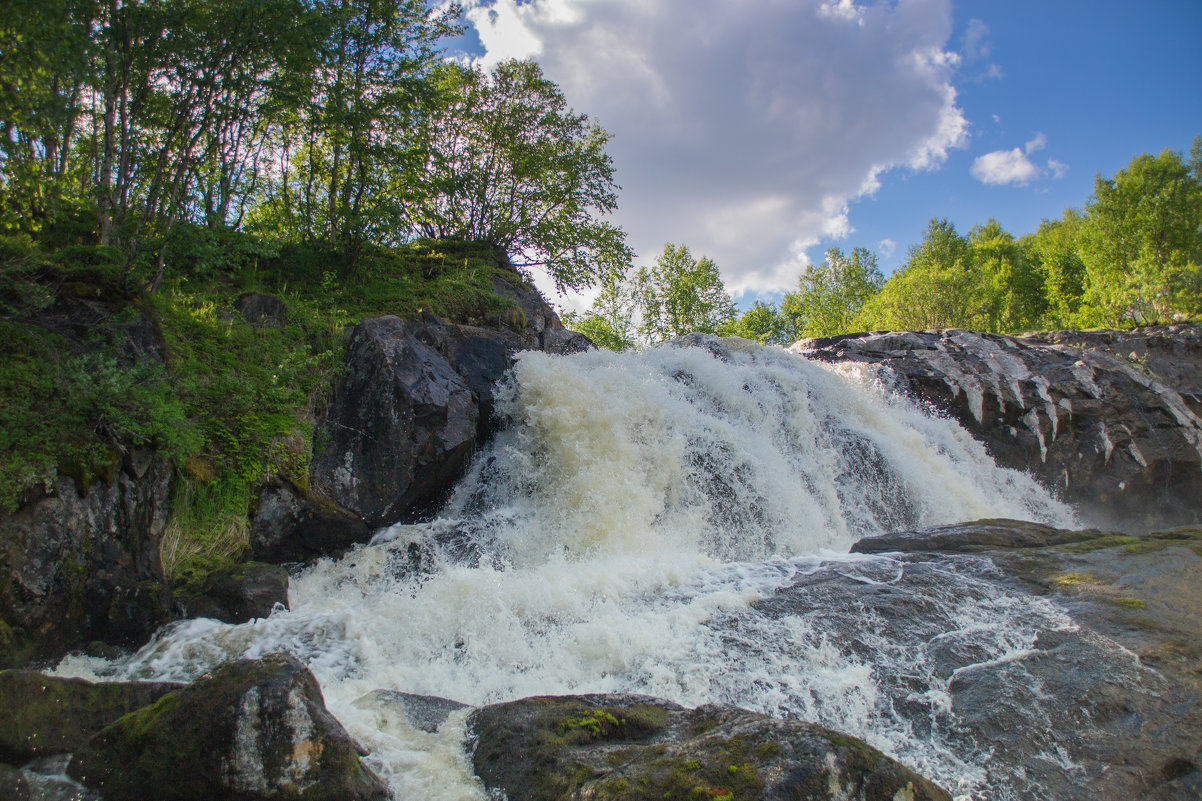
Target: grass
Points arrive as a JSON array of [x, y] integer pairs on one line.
[[232, 403]]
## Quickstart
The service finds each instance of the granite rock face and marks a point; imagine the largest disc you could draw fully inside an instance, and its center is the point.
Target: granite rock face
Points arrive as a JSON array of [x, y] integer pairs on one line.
[[44, 715], [1102, 702], [1105, 433], [82, 564]]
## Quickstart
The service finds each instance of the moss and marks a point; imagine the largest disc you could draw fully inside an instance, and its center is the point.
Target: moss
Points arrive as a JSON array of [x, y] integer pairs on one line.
[[140, 725], [1148, 545], [1070, 581], [1130, 603], [1097, 544], [609, 724]]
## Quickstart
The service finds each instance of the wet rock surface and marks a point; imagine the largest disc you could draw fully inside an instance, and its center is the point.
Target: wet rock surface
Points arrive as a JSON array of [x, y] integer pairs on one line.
[[1104, 432], [82, 563], [237, 593], [252, 729], [634, 747], [1099, 698]]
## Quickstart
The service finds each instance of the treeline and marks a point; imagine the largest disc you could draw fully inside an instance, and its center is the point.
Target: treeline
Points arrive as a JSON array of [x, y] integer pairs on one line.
[[1131, 257], [161, 127]]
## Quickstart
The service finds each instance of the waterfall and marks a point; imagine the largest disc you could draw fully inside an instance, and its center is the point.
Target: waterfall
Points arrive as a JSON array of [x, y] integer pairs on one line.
[[617, 535]]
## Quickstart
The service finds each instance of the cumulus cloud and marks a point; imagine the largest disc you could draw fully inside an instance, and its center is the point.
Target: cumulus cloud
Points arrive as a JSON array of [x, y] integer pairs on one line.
[[1004, 167], [1015, 166], [744, 129]]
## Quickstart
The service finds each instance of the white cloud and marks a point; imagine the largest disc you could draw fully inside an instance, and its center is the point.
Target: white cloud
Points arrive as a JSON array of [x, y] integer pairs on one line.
[[1004, 167], [744, 129], [976, 40], [1013, 166], [886, 247]]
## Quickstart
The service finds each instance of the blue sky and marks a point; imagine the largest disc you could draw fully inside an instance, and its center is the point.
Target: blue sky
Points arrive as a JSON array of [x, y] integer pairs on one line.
[[761, 132]]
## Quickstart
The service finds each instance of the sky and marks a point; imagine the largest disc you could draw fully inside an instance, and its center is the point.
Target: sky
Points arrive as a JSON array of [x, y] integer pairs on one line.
[[762, 132]]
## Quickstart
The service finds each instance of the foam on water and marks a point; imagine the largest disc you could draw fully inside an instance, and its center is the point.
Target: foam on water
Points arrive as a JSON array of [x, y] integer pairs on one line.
[[616, 537]]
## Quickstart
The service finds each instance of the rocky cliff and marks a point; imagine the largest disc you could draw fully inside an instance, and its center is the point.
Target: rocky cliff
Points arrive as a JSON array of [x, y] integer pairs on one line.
[[1108, 421]]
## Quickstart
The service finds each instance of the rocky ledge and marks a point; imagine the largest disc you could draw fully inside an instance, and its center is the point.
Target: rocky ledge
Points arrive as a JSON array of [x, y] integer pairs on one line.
[[1106, 420]]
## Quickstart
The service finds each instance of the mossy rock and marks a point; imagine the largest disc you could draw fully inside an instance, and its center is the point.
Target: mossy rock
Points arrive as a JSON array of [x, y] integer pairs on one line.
[[251, 729], [42, 715], [625, 748]]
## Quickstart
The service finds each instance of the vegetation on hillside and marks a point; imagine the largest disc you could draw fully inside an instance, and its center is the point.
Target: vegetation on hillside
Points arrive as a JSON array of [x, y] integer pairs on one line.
[[91, 372], [161, 158]]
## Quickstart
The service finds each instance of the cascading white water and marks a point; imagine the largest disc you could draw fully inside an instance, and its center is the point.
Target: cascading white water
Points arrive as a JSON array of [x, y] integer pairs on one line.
[[614, 538]]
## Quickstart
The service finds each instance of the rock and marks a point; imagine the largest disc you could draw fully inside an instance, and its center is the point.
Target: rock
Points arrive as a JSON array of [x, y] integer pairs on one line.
[[42, 715], [259, 309], [423, 712], [981, 535], [1062, 663], [252, 729], [288, 526], [418, 397], [632, 747], [1172, 354], [238, 593], [401, 427], [43, 780], [82, 563], [1119, 444]]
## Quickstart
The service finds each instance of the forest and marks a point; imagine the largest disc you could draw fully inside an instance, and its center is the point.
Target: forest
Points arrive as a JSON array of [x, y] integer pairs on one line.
[[1130, 257], [202, 129]]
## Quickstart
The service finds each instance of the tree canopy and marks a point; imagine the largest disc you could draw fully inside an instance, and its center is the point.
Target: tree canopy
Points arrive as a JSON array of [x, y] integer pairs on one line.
[[138, 122]]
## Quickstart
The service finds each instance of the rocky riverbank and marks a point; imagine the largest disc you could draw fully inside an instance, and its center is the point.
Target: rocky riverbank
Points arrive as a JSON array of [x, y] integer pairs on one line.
[[1102, 701]]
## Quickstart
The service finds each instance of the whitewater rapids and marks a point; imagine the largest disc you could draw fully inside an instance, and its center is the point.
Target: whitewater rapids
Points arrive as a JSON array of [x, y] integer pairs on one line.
[[615, 537]]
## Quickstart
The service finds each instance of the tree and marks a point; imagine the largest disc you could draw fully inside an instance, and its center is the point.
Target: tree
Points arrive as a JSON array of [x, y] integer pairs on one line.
[[349, 148], [46, 64], [609, 321], [936, 288], [1141, 241], [831, 294], [1012, 289], [679, 295], [1054, 251], [509, 163], [763, 323]]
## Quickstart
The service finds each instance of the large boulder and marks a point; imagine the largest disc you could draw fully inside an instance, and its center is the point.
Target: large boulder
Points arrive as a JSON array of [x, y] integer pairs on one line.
[[416, 400], [401, 426], [43, 715], [626, 747], [81, 562], [1102, 432], [250, 730]]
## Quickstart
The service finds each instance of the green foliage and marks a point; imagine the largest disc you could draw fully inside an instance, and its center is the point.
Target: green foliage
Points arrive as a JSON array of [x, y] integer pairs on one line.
[[832, 293], [233, 403], [609, 321], [67, 406], [762, 323], [936, 288], [679, 295], [511, 164], [1054, 251], [1011, 287], [1141, 242]]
